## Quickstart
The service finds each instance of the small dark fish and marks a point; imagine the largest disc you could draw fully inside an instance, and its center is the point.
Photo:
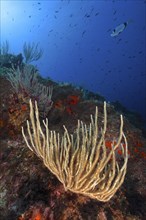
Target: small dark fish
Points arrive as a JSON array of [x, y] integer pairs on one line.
[[87, 15], [97, 14], [83, 33], [114, 12]]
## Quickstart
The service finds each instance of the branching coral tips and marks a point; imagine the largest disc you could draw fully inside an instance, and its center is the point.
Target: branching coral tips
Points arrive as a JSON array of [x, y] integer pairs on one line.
[[119, 29]]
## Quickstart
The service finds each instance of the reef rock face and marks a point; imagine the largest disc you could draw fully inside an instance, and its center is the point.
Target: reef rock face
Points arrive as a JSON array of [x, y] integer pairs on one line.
[[29, 191]]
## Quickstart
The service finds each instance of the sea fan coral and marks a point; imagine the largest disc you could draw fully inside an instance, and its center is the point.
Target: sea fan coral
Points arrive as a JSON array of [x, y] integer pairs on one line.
[[80, 161], [25, 81]]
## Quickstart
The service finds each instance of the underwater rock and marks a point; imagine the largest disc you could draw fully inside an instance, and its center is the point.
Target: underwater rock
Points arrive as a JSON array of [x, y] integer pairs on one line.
[[10, 60]]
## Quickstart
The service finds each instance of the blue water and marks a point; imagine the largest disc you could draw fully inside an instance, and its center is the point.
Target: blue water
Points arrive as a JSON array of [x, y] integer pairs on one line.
[[78, 48]]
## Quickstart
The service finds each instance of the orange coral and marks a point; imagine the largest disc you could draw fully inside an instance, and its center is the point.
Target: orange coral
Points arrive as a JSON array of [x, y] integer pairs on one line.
[[1, 123], [36, 215], [73, 99], [66, 104], [24, 107]]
